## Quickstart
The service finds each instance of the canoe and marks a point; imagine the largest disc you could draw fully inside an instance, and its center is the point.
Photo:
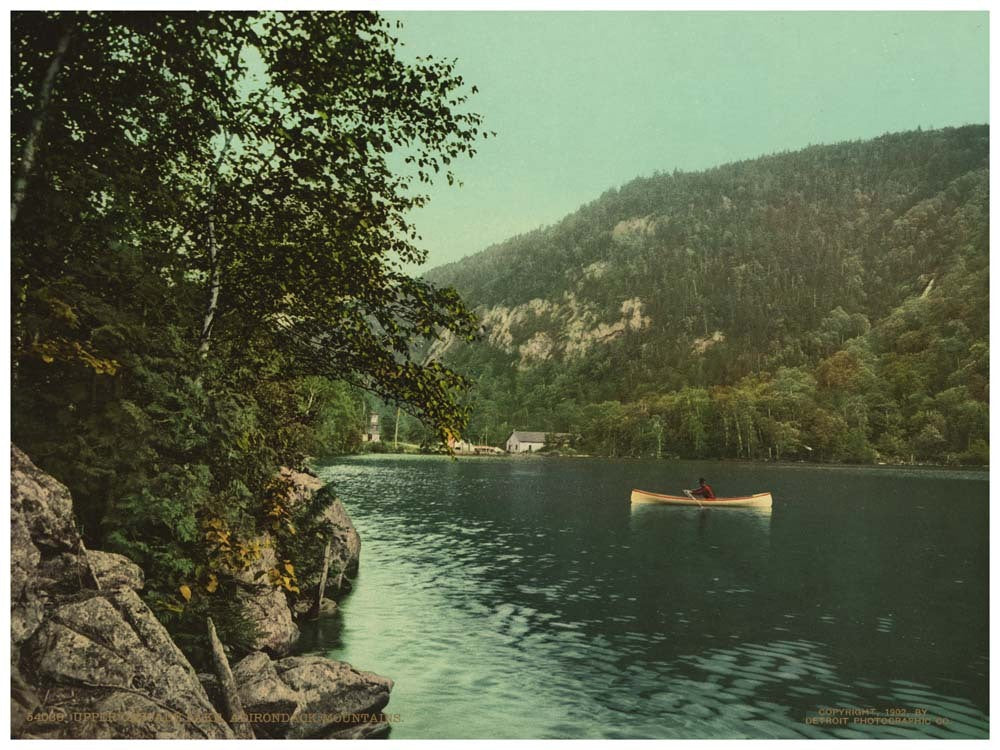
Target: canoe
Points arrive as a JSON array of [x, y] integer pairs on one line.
[[760, 500]]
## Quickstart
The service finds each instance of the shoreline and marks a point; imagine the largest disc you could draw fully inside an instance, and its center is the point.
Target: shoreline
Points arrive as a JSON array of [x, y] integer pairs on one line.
[[68, 602], [738, 461]]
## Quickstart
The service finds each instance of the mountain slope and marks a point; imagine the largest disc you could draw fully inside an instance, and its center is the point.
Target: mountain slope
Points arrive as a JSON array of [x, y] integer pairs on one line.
[[859, 269]]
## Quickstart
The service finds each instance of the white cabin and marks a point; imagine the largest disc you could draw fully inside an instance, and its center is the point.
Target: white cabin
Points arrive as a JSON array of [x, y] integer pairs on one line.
[[461, 446], [521, 441]]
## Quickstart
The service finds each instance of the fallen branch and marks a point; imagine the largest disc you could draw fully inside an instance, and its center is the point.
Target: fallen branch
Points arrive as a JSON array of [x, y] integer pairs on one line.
[[322, 581], [232, 707]]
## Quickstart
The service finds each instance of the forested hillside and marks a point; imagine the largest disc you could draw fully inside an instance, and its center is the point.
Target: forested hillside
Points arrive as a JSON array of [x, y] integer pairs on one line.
[[829, 304]]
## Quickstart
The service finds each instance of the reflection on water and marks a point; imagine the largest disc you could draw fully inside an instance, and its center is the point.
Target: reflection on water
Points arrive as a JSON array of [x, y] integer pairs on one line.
[[526, 598], [747, 520]]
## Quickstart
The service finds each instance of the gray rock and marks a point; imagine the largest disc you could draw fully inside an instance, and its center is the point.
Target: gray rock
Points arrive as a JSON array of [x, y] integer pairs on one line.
[[211, 684], [88, 657], [334, 695], [64, 573], [24, 701], [267, 608], [304, 606], [44, 504], [67, 572], [107, 659], [24, 555], [266, 605], [346, 543], [41, 528], [302, 486], [268, 701], [115, 571], [311, 696], [346, 548], [26, 615]]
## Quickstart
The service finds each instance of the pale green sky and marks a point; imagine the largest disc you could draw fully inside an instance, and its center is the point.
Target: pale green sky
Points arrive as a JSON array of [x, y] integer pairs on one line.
[[582, 102]]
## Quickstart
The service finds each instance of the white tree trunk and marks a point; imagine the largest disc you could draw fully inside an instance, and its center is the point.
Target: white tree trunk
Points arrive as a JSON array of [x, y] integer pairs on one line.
[[27, 162], [215, 263], [215, 284]]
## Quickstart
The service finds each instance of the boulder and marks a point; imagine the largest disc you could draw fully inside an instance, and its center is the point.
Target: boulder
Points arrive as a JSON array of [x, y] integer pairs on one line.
[[301, 697], [346, 547], [24, 555], [90, 660], [338, 699], [88, 657], [114, 571], [267, 608], [42, 504], [24, 702], [345, 542], [68, 572], [265, 604], [108, 657], [268, 701], [306, 605]]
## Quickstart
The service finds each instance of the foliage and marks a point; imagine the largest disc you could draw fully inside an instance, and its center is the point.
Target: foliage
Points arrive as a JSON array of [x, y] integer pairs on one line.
[[829, 304], [205, 267]]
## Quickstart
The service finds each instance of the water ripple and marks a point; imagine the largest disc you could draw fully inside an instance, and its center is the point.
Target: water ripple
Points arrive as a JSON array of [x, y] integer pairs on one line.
[[523, 599]]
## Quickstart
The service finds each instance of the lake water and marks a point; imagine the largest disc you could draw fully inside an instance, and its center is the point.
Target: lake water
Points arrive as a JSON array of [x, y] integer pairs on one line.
[[524, 597]]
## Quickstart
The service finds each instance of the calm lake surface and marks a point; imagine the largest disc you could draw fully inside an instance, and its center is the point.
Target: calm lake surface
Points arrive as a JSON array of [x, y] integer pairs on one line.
[[523, 597]]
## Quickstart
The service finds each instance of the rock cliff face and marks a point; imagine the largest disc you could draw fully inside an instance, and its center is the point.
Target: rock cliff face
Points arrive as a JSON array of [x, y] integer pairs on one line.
[[88, 657], [90, 660], [267, 606], [346, 548], [292, 698], [345, 544]]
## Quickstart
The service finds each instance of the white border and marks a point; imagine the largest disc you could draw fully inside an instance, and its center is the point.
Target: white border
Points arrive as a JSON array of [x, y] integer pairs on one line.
[[488, 5]]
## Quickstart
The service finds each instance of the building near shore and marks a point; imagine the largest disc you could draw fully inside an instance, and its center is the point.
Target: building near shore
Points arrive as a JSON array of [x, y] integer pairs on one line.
[[461, 446], [372, 433], [464, 447], [523, 441]]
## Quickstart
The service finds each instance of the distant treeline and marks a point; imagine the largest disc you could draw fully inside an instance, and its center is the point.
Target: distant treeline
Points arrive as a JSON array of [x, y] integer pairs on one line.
[[829, 304]]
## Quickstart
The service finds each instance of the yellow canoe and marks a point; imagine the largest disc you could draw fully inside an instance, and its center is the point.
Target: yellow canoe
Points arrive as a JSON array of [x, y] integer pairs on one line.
[[760, 500]]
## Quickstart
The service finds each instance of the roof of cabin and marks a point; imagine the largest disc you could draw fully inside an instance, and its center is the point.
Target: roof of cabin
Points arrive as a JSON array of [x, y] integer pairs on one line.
[[528, 437], [523, 436]]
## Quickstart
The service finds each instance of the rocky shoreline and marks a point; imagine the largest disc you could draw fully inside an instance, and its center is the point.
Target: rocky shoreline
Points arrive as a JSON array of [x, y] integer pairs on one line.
[[89, 659]]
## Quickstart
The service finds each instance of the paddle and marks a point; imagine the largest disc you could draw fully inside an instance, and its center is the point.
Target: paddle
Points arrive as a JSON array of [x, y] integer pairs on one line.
[[690, 495]]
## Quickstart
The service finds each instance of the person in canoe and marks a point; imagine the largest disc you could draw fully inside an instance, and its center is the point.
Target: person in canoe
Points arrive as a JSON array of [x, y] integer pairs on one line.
[[704, 490]]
